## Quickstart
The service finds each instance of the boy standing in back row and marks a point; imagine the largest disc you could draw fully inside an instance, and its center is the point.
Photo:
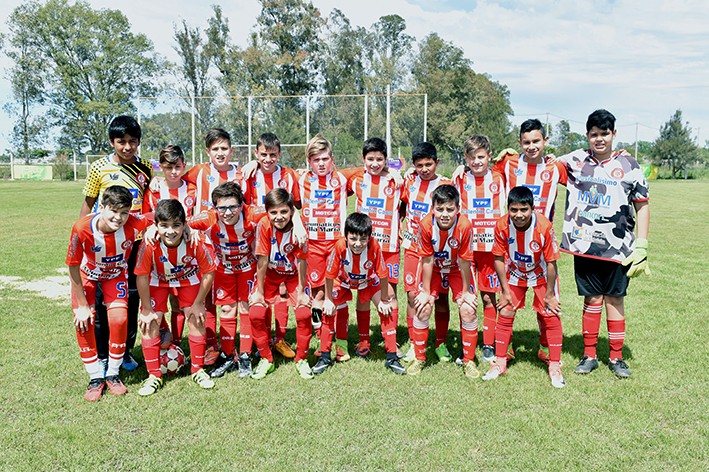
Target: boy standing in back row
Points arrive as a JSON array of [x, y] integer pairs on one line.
[[604, 187]]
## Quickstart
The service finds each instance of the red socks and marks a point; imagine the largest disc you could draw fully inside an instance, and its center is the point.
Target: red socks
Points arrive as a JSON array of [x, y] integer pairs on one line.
[[327, 329], [551, 327], [389, 331], [151, 353], [177, 320], [616, 337], [227, 333], [542, 332], [342, 321], [489, 322], [118, 326], [590, 326], [198, 345], [246, 342], [259, 331], [469, 338], [303, 332], [281, 314], [420, 338], [363, 319], [210, 326], [503, 335]]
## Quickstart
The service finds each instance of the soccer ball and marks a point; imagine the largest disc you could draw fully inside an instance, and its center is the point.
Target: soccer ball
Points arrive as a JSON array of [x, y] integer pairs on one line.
[[171, 359]]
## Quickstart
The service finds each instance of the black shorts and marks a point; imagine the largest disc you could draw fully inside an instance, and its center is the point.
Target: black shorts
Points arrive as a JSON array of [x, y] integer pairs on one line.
[[599, 277]]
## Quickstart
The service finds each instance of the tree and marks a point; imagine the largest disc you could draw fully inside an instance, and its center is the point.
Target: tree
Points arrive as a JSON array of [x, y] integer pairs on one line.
[[388, 52], [342, 64], [675, 146], [565, 140], [94, 65]]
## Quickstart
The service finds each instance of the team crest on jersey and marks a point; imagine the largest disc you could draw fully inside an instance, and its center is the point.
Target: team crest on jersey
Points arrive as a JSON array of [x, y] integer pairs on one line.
[[453, 242], [409, 278], [189, 201], [388, 191], [534, 246], [494, 188], [545, 176], [288, 247], [187, 259], [335, 294], [335, 182], [141, 179], [282, 183], [314, 276], [247, 234], [306, 212], [126, 245], [220, 293], [617, 173], [368, 265]]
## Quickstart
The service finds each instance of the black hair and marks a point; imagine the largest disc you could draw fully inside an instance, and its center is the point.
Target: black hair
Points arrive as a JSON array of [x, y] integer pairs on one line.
[[170, 154], [531, 125], [358, 224], [278, 197], [520, 195], [601, 119], [168, 209], [374, 145], [422, 151], [216, 134], [122, 125], [117, 197], [268, 141], [445, 193], [228, 190]]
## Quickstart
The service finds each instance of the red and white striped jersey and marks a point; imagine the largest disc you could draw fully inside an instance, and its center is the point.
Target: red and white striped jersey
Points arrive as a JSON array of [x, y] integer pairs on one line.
[[180, 266], [417, 196], [207, 178], [186, 194], [482, 201], [445, 246], [356, 271], [102, 256], [234, 244], [280, 247], [527, 251], [542, 179], [324, 200], [379, 198], [256, 188]]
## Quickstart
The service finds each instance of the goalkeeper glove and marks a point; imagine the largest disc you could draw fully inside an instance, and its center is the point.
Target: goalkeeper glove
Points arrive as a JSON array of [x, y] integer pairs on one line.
[[638, 259], [503, 153]]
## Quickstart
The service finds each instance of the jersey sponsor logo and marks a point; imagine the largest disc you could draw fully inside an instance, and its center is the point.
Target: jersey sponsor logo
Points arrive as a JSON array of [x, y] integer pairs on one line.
[[523, 258], [494, 188], [479, 223], [384, 224], [536, 189], [482, 203], [420, 206], [112, 259], [323, 194], [594, 198], [375, 202], [598, 180], [591, 215], [453, 242], [534, 246], [368, 265], [388, 191], [545, 176], [324, 213], [313, 178], [141, 178], [468, 187], [221, 235], [256, 184], [163, 259], [518, 172], [187, 259], [357, 276], [211, 179], [577, 232], [363, 185], [510, 240], [617, 173], [114, 176], [441, 254]]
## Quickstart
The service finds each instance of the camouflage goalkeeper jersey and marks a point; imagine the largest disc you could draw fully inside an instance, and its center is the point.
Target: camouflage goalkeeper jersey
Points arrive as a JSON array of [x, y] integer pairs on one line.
[[600, 216]]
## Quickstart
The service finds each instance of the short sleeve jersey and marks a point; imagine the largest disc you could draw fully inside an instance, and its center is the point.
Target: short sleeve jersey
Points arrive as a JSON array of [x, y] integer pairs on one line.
[[356, 271], [445, 246], [102, 256], [324, 200], [234, 244], [527, 251], [106, 172], [416, 195], [600, 217], [379, 198], [542, 179], [206, 177], [186, 194], [482, 201], [256, 188], [180, 266], [280, 247]]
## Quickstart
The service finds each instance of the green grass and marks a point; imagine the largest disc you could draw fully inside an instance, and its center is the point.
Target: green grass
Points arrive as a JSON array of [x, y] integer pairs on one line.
[[357, 416]]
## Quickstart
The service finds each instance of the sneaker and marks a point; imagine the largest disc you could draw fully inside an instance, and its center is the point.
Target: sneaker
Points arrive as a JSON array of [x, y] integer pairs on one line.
[[362, 349], [394, 365], [587, 365], [399, 352], [284, 349], [115, 386], [470, 370], [262, 369], [494, 372], [224, 365], [443, 354], [104, 366], [128, 362], [303, 369], [543, 355], [321, 366], [211, 355], [165, 339], [202, 379], [488, 353], [557, 380], [341, 354], [415, 367], [459, 359], [410, 354], [151, 385], [245, 365], [619, 368], [95, 390]]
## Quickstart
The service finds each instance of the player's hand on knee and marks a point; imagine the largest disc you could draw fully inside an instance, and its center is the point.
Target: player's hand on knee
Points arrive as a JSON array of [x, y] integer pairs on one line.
[[83, 318]]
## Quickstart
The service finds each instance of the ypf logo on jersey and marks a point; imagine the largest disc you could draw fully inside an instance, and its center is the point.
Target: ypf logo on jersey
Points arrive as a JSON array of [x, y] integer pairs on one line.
[[617, 173]]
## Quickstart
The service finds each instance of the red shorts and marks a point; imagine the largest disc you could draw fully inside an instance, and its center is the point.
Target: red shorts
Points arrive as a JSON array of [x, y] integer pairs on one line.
[[343, 295], [485, 267], [441, 283], [411, 264], [318, 252], [272, 288], [540, 292], [115, 292], [232, 288], [391, 262], [185, 295]]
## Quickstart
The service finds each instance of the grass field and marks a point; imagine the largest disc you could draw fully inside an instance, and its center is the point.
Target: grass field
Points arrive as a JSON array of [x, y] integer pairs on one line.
[[357, 415]]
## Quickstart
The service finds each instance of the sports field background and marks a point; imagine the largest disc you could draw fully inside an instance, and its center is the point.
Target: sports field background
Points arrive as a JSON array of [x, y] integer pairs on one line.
[[357, 415]]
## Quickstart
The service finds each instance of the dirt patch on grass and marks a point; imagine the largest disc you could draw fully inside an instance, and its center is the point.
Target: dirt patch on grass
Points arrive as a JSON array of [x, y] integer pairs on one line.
[[56, 287]]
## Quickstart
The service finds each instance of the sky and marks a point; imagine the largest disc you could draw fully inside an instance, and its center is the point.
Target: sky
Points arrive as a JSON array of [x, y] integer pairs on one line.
[[641, 60]]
